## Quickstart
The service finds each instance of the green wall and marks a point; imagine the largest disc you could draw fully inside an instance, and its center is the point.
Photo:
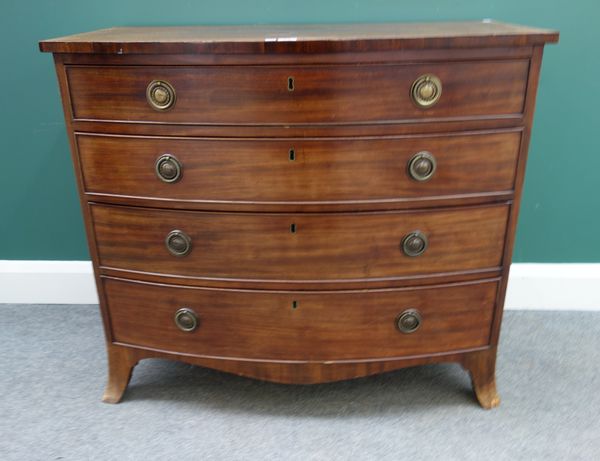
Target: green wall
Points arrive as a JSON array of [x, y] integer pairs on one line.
[[40, 216]]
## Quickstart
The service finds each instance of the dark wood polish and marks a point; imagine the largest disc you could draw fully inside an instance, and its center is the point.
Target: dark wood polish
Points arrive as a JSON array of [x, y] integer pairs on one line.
[[324, 94], [330, 247], [411, 280], [263, 326], [299, 38], [261, 172], [292, 146]]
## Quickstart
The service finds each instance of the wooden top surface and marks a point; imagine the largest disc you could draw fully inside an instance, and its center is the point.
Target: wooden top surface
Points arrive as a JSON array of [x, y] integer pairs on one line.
[[295, 38]]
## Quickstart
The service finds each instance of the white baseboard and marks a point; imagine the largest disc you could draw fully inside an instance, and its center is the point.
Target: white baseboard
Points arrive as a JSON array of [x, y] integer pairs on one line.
[[531, 285], [535, 286], [47, 282]]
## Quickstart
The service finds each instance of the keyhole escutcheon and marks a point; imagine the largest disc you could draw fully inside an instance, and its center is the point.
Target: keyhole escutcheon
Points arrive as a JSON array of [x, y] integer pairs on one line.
[[290, 84]]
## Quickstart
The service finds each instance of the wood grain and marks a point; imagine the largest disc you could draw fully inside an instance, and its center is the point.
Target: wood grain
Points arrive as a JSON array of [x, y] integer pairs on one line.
[[532, 86], [323, 326], [336, 246], [410, 280], [430, 126], [298, 372], [299, 38], [255, 95], [121, 362], [243, 171], [66, 102], [353, 128], [350, 57], [481, 366]]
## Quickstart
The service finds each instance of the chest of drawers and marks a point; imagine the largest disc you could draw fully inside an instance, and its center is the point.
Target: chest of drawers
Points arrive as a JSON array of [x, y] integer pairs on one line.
[[301, 204]]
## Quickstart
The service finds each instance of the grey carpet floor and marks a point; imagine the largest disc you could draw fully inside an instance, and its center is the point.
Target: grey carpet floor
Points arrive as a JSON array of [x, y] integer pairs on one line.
[[52, 373]]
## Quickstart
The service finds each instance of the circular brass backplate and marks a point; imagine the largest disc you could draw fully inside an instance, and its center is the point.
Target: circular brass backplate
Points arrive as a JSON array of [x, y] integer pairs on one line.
[[426, 90], [414, 243], [409, 321], [178, 243], [421, 166], [168, 168], [186, 319], [160, 95]]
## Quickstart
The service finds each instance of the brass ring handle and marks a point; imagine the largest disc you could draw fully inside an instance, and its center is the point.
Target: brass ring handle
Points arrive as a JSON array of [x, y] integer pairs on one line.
[[421, 166], [414, 243], [178, 243], [409, 321], [186, 319], [426, 91], [160, 95], [168, 168]]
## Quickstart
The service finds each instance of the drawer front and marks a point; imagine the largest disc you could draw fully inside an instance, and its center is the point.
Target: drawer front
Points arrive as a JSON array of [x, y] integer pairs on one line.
[[298, 171], [300, 325], [332, 94], [299, 247]]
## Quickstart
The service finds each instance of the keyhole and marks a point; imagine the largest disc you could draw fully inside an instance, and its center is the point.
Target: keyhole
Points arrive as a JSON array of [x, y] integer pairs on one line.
[[292, 154], [294, 304], [293, 228], [290, 83]]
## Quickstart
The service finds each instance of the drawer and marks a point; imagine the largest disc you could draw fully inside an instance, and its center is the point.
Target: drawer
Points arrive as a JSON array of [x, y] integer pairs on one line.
[[308, 247], [330, 94], [324, 171], [306, 326]]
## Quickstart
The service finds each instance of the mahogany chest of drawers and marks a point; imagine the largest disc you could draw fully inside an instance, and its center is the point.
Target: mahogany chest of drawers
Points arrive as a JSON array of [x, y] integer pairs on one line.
[[301, 204]]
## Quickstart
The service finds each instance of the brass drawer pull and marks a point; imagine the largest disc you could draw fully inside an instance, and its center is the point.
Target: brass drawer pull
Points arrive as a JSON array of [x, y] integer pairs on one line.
[[186, 320], [168, 168], [415, 243], [178, 243], [426, 91], [160, 95], [409, 321], [421, 166]]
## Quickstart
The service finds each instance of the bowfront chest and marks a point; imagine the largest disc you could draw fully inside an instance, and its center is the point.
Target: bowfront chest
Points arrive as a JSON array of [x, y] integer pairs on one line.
[[301, 204]]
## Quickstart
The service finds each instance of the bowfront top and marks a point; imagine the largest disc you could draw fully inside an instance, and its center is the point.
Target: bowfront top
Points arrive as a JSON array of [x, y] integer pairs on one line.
[[299, 38]]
